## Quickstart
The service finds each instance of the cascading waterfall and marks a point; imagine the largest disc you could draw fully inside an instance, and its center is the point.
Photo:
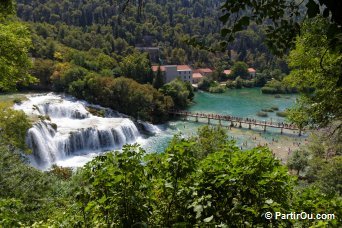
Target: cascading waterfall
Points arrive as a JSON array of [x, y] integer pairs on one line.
[[66, 129]]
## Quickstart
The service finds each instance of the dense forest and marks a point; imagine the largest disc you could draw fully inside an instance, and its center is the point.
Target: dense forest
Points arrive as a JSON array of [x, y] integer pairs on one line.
[[104, 25], [75, 44], [87, 49]]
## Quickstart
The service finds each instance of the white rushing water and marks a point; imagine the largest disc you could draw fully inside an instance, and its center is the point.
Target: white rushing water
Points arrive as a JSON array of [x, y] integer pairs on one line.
[[67, 134]]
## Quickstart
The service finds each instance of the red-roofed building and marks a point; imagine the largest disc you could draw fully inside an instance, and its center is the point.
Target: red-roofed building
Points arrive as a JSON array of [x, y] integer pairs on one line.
[[251, 72], [183, 68], [171, 72], [205, 71], [196, 77], [227, 72], [155, 68]]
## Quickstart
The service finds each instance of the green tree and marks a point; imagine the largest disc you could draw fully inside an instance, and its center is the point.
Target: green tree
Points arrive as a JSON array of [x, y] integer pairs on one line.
[[282, 18], [158, 80], [13, 126], [316, 67], [14, 60], [137, 66], [171, 176], [238, 187], [204, 83], [240, 69], [178, 90], [298, 161], [115, 190]]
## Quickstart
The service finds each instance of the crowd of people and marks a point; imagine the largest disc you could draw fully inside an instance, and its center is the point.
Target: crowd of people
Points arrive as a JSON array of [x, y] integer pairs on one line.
[[237, 119]]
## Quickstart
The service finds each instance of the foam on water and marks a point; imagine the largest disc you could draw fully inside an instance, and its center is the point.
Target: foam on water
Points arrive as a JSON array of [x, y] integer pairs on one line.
[[69, 135]]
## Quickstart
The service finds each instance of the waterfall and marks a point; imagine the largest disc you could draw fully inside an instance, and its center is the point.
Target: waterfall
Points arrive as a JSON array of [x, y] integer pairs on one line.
[[66, 128], [150, 128]]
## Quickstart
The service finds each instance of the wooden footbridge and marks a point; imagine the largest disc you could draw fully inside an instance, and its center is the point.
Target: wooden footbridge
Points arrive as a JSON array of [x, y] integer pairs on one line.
[[237, 121]]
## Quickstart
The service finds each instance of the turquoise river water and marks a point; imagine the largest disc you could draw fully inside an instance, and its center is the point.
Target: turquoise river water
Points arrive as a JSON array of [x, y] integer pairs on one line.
[[241, 103]]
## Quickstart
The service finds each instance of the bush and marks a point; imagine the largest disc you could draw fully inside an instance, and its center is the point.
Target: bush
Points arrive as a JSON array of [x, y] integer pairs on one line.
[[275, 108], [275, 87], [248, 83], [124, 95], [262, 114], [181, 92], [267, 110], [268, 90], [231, 84], [217, 89], [204, 84], [281, 114]]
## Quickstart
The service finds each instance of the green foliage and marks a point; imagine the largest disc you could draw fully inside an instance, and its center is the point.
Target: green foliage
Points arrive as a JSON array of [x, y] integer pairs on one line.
[[282, 18], [180, 92], [298, 116], [330, 178], [115, 190], [6, 9], [124, 95], [317, 67], [282, 113], [298, 161], [27, 195], [204, 83], [13, 126], [42, 69], [14, 60], [238, 187], [158, 80], [208, 140], [172, 177], [163, 24], [62, 81], [239, 69], [138, 67], [217, 89], [277, 87], [311, 199]]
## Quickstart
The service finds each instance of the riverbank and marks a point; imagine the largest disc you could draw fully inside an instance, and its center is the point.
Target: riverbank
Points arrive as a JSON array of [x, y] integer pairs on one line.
[[243, 103]]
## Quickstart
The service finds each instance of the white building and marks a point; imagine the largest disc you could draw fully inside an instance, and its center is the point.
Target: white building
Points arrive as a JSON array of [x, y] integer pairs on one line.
[[171, 72]]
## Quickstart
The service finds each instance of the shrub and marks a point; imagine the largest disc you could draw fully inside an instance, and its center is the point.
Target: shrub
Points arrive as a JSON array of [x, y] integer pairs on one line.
[[275, 108], [217, 89], [267, 110], [231, 84], [204, 84], [268, 90], [281, 114]]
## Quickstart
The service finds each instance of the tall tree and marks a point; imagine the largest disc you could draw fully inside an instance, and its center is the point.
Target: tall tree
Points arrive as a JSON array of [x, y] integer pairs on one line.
[[158, 80], [316, 72], [15, 43]]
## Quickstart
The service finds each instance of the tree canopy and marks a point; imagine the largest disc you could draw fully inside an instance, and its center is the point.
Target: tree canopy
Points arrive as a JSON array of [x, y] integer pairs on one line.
[[15, 43], [316, 72], [283, 18]]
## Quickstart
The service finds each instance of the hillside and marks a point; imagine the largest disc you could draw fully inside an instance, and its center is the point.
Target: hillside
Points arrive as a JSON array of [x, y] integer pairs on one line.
[[116, 28]]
